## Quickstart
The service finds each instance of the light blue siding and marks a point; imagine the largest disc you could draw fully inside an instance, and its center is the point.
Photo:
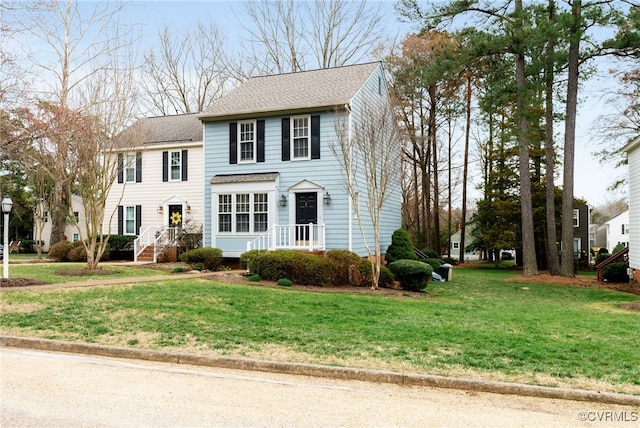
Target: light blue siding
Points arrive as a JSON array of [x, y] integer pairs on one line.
[[325, 172]]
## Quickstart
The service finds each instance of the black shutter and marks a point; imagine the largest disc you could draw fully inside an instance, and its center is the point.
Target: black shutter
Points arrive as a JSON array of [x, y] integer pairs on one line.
[[185, 176], [138, 218], [260, 141], [315, 137], [120, 168], [233, 143], [286, 148], [165, 166], [138, 167], [120, 220]]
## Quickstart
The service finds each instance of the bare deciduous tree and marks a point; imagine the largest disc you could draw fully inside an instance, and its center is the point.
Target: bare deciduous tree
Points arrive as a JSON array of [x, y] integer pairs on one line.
[[289, 36], [368, 148], [188, 72]]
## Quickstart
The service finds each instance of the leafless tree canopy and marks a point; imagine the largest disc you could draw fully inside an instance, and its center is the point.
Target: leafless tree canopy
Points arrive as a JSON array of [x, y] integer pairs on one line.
[[288, 36], [188, 72]]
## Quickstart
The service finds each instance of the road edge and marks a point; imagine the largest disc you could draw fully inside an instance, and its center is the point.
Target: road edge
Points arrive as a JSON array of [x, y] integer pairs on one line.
[[346, 373]]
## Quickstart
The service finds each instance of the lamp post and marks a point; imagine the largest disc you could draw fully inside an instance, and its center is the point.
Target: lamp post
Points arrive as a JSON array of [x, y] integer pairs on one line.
[[7, 204]]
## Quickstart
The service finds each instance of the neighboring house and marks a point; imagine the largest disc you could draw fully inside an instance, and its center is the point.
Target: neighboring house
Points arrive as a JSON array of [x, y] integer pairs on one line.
[[272, 179], [633, 156], [617, 230], [581, 230], [160, 178], [455, 245], [71, 232]]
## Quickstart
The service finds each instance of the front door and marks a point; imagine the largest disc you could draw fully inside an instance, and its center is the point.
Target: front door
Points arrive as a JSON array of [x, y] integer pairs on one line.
[[175, 216], [306, 212]]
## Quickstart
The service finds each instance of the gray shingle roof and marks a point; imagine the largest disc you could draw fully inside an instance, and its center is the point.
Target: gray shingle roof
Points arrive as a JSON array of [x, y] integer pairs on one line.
[[293, 91], [165, 129], [244, 178]]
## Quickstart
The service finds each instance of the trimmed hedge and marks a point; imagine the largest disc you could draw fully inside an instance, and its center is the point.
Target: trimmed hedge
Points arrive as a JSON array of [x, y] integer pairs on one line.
[[434, 263], [300, 268], [209, 258], [60, 250], [65, 251], [616, 272], [400, 248], [412, 274]]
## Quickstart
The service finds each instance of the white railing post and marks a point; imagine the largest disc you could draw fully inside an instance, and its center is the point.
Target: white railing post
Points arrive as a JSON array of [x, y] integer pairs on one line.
[[274, 237], [323, 237], [311, 236]]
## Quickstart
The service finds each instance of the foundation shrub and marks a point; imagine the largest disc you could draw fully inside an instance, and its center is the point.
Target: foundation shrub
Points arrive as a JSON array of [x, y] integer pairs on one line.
[[300, 268], [60, 251], [412, 274], [400, 248], [210, 258], [616, 272]]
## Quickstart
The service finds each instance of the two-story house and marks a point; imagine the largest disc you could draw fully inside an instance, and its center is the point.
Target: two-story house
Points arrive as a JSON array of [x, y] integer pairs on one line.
[[273, 176], [633, 156], [581, 231], [617, 231], [160, 179]]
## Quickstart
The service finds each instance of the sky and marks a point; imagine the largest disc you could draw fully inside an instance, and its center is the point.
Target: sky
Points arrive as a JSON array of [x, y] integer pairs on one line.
[[592, 179]]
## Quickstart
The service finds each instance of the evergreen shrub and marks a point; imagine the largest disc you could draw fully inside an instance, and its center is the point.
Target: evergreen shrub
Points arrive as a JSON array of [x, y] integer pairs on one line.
[[400, 248], [616, 272], [301, 268], [412, 274], [434, 263], [285, 282], [210, 258], [60, 250]]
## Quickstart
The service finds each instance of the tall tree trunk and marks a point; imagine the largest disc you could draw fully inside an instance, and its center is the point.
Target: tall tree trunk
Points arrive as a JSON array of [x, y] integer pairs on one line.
[[550, 205], [567, 261], [530, 266], [465, 167], [435, 244]]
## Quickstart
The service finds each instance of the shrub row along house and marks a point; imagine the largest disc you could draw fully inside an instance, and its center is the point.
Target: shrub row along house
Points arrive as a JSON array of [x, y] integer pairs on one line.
[[260, 170]]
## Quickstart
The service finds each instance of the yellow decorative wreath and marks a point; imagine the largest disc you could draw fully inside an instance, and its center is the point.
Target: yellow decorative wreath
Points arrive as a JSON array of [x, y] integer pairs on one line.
[[176, 218]]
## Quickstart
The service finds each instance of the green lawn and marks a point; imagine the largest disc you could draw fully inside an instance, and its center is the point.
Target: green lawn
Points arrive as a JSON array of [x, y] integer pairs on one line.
[[479, 326]]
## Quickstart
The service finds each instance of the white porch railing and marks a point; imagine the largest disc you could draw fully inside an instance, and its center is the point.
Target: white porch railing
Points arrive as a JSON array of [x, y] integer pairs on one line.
[[156, 237], [307, 237]]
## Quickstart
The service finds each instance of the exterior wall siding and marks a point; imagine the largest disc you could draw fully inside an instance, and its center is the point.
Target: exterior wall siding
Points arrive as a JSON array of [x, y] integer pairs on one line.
[[152, 192], [634, 207], [326, 173]]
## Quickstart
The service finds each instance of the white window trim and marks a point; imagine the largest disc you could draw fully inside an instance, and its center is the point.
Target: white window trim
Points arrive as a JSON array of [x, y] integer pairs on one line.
[[576, 218], [292, 149], [254, 142], [251, 213], [170, 165], [125, 210], [130, 165]]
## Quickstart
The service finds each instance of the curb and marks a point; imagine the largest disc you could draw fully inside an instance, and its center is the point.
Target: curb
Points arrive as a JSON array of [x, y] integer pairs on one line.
[[344, 373]]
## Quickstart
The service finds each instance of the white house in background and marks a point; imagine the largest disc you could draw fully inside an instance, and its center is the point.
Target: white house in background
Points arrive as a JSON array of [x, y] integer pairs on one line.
[[455, 245], [160, 180], [617, 230], [633, 154], [71, 232]]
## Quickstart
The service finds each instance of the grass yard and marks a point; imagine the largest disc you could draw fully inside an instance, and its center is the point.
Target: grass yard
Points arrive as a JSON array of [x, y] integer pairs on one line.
[[477, 326]]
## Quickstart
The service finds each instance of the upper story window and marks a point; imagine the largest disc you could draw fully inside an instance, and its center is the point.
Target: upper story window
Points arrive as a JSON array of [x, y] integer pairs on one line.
[[76, 215], [130, 167], [301, 138], [576, 218], [246, 141], [176, 165], [625, 229]]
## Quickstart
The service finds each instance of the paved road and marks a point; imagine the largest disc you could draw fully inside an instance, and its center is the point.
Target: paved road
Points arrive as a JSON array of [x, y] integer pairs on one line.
[[56, 390]]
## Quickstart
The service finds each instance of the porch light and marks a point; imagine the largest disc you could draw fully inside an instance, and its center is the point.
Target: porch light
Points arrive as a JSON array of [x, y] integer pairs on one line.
[[188, 208], [327, 198], [283, 200], [160, 210]]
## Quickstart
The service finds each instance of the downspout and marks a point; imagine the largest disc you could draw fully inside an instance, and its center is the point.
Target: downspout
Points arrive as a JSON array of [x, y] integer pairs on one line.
[[349, 192]]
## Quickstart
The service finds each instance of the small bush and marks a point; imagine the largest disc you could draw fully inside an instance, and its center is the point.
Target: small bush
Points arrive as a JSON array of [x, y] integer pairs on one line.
[[616, 272], [60, 250], [347, 268], [412, 274], [617, 248], [178, 270], [400, 248], [254, 278], [198, 266], [434, 263], [431, 254], [285, 282], [301, 268], [78, 253], [210, 258], [386, 277], [602, 257]]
